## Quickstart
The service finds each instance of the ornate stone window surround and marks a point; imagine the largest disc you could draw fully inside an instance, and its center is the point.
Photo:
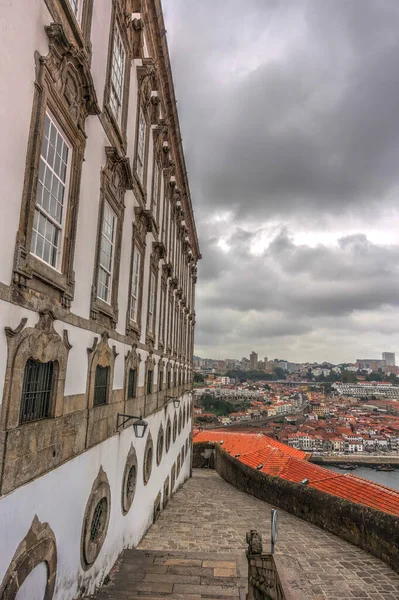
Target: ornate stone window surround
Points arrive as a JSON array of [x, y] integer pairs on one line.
[[160, 444], [78, 28], [38, 546], [129, 481], [41, 343], [142, 225], [100, 354], [132, 361], [118, 24], [150, 367], [148, 459], [63, 88], [100, 492], [147, 100], [116, 178]]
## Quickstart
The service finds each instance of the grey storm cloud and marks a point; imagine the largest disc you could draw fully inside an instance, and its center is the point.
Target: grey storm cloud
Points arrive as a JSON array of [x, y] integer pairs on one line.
[[312, 129], [289, 116]]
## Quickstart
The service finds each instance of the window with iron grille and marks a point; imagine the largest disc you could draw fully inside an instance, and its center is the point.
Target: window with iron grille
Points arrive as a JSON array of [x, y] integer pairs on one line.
[[106, 258], [101, 386], [168, 386], [99, 520], [36, 391], [131, 386], [149, 382], [160, 376], [117, 75], [51, 195]]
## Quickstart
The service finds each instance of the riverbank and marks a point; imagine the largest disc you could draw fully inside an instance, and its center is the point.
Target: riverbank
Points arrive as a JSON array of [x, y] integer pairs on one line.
[[358, 459]]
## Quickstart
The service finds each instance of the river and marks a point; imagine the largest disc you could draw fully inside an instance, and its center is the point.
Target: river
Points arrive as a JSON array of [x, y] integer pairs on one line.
[[388, 478]]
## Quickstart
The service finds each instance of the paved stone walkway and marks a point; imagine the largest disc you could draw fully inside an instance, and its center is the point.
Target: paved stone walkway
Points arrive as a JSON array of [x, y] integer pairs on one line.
[[209, 515]]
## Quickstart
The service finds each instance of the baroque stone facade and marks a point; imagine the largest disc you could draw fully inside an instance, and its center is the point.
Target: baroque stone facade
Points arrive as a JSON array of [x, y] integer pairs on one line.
[[97, 288]]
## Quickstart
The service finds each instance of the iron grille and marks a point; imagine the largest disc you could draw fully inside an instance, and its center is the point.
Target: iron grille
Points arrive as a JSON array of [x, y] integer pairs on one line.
[[36, 391], [149, 382], [131, 481], [101, 386], [168, 379], [131, 387], [99, 519]]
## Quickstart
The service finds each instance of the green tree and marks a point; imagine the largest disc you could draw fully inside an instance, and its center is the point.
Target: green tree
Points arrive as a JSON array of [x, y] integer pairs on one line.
[[198, 378]]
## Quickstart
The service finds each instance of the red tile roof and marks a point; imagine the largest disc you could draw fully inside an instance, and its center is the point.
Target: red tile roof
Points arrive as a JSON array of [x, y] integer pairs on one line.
[[274, 458]]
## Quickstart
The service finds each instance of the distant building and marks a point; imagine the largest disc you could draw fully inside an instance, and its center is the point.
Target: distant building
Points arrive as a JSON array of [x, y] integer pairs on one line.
[[253, 361], [370, 363], [389, 358]]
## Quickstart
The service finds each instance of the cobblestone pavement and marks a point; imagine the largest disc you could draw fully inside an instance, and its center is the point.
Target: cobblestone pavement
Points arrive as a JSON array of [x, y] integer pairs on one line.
[[208, 515]]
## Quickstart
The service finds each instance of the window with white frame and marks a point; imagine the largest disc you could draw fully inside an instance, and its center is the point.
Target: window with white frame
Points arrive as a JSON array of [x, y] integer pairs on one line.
[[134, 293], [117, 75], [76, 6], [151, 303], [142, 133], [155, 187], [106, 259], [51, 195]]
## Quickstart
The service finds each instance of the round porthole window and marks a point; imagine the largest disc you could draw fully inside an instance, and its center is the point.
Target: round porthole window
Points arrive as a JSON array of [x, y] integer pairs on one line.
[[184, 415], [168, 437], [148, 459], [174, 428], [180, 420], [160, 445], [129, 481], [182, 455], [186, 446], [95, 524]]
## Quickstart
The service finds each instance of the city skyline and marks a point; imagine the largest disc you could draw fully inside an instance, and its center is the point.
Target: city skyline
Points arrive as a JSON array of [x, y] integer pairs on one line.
[[295, 198]]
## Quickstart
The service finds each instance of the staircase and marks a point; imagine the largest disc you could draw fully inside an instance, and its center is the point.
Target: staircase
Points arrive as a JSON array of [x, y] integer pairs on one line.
[[158, 575]]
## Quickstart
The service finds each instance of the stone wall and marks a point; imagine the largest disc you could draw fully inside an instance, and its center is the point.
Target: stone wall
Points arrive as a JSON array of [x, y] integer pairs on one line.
[[373, 531], [203, 455]]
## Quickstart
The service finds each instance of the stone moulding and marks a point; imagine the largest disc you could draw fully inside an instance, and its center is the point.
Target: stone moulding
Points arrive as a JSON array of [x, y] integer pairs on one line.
[[38, 546]]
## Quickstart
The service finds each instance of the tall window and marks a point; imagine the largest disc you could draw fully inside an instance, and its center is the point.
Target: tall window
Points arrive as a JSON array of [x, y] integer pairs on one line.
[[151, 303], [149, 382], [76, 6], [49, 219], [36, 391], [101, 386], [106, 254], [142, 134], [155, 187], [117, 75], [131, 387], [134, 293]]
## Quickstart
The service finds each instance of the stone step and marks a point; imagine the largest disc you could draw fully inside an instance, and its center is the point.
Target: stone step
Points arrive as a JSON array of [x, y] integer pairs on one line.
[[157, 575]]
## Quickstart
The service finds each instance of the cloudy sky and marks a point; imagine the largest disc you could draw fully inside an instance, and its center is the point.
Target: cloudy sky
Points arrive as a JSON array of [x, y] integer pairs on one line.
[[289, 113]]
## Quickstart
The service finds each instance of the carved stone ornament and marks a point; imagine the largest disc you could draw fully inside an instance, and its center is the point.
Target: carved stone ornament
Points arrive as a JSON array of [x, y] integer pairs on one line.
[[69, 68], [168, 269], [42, 343], [158, 251], [38, 546], [117, 173], [144, 221], [254, 541]]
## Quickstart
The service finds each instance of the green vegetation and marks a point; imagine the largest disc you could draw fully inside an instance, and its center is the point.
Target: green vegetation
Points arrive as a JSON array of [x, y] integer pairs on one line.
[[218, 406], [198, 378]]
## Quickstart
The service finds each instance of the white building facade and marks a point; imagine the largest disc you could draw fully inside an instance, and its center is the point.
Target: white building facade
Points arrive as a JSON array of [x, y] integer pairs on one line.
[[97, 290]]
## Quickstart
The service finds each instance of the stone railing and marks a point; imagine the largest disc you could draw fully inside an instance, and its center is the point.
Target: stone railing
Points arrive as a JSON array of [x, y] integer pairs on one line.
[[272, 577]]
